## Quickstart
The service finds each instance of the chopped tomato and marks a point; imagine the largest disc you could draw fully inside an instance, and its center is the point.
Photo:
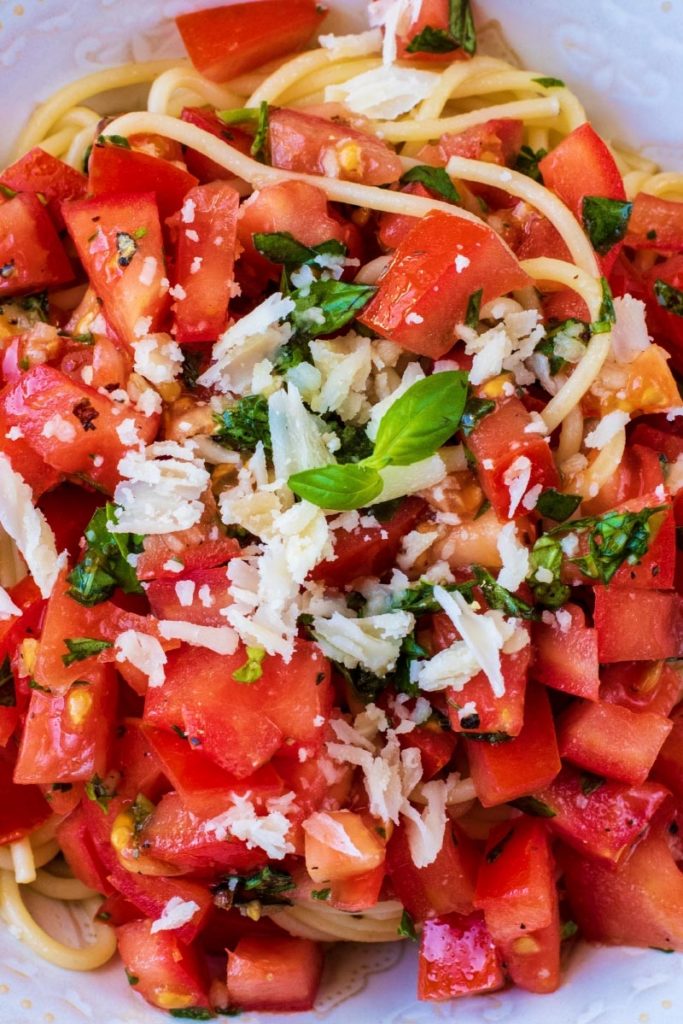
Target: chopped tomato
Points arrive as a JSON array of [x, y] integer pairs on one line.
[[566, 653], [139, 768], [436, 746], [435, 270], [655, 223], [277, 974], [340, 845], [205, 259], [445, 886], [31, 254], [428, 14], [598, 816], [457, 958], [224, 42], [209, 589], [23, 458], [165, 971], [43, 174], [313, 145], [639, 473], [23, 807], [504, 771], [82, 852], [638, 625], [668, 767], [369, 550], [648, 386], [68, 424], [494, 142], [535, 237], [115, 170], [643, 686], [150, 896], [666, 326], [67, 737], [393, 227], [118, 239], [511, 461], [668, 445], [640, 903], [203, 168]]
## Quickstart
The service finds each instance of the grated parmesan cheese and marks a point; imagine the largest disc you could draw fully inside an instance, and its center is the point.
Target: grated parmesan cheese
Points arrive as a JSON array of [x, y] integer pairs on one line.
[[28, 528], [607, 428], [7, 606], [175, 914], [514, 556], [144, 652], [383, 93], [161, 489], [268, 832], [184, 590], [629, 332], [220, 639], [374, 641], [361, 45], [516, 478], [157, 358]]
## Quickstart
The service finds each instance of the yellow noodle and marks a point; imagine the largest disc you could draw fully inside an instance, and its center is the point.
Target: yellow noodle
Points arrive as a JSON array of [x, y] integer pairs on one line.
[[432, 128]]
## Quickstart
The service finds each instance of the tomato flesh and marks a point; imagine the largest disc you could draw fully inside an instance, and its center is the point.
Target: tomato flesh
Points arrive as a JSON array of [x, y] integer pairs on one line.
[[443, 887], [274, 973], [638, 625], [114, 169], [31, 255], [457, 958], [39, 172], [169, 973], [566, 653]]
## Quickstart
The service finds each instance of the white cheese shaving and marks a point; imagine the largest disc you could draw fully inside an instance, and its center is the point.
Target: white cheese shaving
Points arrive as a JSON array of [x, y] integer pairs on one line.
[[184, 590], [296, 439], [220, 639], [516, 478], [157, 358], [330, 832], [606, 429], [360, 45], [175, 914], [514, 556], [629, 332], [374, 641], [28, 528], [413, 545], [161, 489], [148, 271], [481, 633], [384, 93], [268, 832], [7, 606], [144, 652]]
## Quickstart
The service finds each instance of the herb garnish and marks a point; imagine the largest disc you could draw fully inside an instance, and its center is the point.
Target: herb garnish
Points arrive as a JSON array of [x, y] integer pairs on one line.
[[670, 298], [460, 34], [559, 507], [82, 647], [435, 179], [605, 221], [406, 928], [251, 671], [104, 565], [267, 885], [244, 424]]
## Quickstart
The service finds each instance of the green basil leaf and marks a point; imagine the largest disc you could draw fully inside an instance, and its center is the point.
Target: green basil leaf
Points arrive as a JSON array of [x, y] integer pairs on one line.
[[499, 598], [99, 792], [605, 221], [327, 306], [113, 140], [355, 445], [670, 298], [321, 894], [260, 143], [549, 82], [435, 179], [267, 885], [559, 507], [421, 420], [338, 488], [534, 807], [591, 783], [432, 40], [282, 247], [561, 341], [473, 307], [568, 931], [36, 306], [244, 424], [614, 539], [240, 115], [528, 160], [251, 671], [547, 554], [104, 564], [8, 696], [193, 1013], [81, 647], [420, 599], [606, 316], [460, 34], [406, 929], [474, 412]]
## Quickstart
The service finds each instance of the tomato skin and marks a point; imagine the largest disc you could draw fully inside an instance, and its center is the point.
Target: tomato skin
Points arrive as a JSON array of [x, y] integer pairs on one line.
[[604, 820], [359, 893], [224, 42], [114, 169], [165, 604], [640, 903], [611, 740], [169, 972], [150, 895], [23, 808], [497, 441], [638, 625], [82, 852], [663, 216], [202, 313], [422, 282], [31, 253], [506, 771], [67, 738], [126, 298], [443, 887], [278, 974], [371, 550], [203, 168], [393, 227], [436, 746], [668, 767], [68, 509], [457, 958], [194, 549], [136, 760], [537, 237], [39, 171], [497, 141], [325, 862], [567, 658], [432, 14], [313, 145], [640, 686]]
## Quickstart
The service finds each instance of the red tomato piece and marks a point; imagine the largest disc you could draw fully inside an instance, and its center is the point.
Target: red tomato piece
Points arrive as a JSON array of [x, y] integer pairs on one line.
[[199, 549], [169, 973], [433, 14], [532, 960], [445, 886], [667, 327], [23, 808], [643, 686], [40, 172], [359, 893], [23, 458], [566, 653], [668, 767], [274, 973], [508, 770], [505, 451], [206, 603], [68, 509], [224, 42], [136, 761], [640, 903], [516, 880], [118, 239], [371, 550], [313, 145], [115, 170], [538, 237], [493, 714], [203, 168], [597, 816], [638, 625], [669, 445], [457, 958], [495, 142], [31, 254], [82, 852], [9, 720], [393, 227], [151, 894], [655, 223], [205, 259], [67, 737], [426, 289], [436, 746]]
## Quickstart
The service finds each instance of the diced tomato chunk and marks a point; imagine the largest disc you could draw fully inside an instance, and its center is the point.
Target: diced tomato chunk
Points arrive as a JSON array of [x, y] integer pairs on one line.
[[566, 653], [436, 746], [457, 958], [165, 971], [151, 894], [665, 325], [82, 853], [429, 14], [493, 714], [224, 42], [205, 258], [359, 892], [340, 845], [115, 170], [203, 168], [611, 740], [435, 270], [199, 549], [124, 260], [274, 973], [510, 461], [643, 686], [31, 255], [598, 816], [140, 770], [495, 142], [210, 593], [393, 227], [505, 771], [39, 172], [445, 886], [23, 808], [655, 223], [638, 625], [668, 767]]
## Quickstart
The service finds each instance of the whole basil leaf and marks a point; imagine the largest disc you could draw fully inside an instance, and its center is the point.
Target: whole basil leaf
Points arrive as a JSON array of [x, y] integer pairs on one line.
[[338, 488], [421, 420], [283, 247]]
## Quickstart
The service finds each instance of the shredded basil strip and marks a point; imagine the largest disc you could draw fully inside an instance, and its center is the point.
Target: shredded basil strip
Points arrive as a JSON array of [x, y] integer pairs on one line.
[[559, 507], [81, 647], [104, 564], [670, 298], [549, 82]]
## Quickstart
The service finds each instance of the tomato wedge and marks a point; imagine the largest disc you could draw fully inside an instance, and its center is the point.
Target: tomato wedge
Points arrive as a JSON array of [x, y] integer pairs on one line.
[[114, 169], [655, 223], [31, 254], [457, 958], [274, 973], [165, 971], [41, 173]]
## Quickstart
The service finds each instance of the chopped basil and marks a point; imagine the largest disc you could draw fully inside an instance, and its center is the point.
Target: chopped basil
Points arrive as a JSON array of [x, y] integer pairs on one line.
[[670, 298], [244, 424], [547, 554], [33, 685], [87, 338], [98, 791], [354, 443], [132, 978], [528, 160], [591, 783], [549, 82], [82, 647], [559, 507], [104, 565], [258, 117], [126, 247], [561, 341], [460, 34], [267, 885], [474, 412], [495, 851], [37, 306], [420, 599], [324, 307], [614, 538], [193, 1013], [473, 307], [412, 429], [282, 247], [113, 140], [605, 221], [606, 316], [251, 671], [499, 598], [7, 192], [192, 364], [568, 931], [534, 807], [492, 738], [321, 894], [406, 928], [435, 179], [8, 696]]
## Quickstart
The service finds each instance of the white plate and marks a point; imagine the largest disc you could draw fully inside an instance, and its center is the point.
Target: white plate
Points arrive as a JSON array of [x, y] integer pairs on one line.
[[623, 57]]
